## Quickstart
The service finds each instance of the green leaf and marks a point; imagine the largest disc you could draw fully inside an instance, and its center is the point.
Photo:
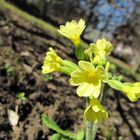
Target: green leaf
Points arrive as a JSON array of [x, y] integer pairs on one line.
[[48, 77], [64, 138], [55, 136], [21, 96], [80, 135], [52, 125]]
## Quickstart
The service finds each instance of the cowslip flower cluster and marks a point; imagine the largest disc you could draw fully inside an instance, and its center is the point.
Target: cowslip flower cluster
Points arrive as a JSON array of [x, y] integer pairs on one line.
[[90, 74]]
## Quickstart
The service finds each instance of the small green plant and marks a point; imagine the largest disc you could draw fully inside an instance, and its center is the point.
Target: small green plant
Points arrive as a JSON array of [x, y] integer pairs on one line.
[[90, 74], [10, 70], [48, 77], [21, 96]]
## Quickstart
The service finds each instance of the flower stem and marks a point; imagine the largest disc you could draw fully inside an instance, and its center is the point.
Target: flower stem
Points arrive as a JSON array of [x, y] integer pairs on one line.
[[89, 125], [94, 130], [89, 130]]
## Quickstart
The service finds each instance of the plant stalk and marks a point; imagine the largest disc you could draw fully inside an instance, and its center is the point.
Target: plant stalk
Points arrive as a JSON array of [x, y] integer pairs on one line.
[[94, 130], [89, 127]]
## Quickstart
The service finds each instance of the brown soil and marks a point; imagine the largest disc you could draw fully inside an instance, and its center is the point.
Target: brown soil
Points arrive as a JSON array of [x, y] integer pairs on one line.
[[22, 48]]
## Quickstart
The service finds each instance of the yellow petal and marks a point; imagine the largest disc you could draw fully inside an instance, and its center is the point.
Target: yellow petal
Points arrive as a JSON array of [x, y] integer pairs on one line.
[[85, 90], [137, 84], [97, 90], [103, 48], [95, 111], [89, 115], [132, 97], [78, 77], [52, 62], [73, 30], [87, 66], [47, 69], [81, 23]]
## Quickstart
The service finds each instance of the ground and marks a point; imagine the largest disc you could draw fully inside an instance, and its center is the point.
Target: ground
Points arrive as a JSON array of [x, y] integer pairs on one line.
[[22, 50]]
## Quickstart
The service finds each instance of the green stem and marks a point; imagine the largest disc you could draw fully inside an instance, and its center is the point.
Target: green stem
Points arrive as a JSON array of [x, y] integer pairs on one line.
[[89, 127], [94, 130]]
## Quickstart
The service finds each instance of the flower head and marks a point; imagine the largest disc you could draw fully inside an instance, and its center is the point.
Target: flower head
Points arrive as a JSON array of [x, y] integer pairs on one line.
[[95, 111], [52, 62], [88, 78], [132, 91], [101, 49], [73, 30]]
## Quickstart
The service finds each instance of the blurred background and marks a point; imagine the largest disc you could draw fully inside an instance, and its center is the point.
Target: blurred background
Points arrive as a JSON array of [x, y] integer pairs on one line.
[[110, 19], [23, 45]]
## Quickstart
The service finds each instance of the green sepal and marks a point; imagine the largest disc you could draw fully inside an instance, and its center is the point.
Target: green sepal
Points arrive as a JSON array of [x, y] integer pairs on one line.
[[68, 67], [118, 78], [79, 53], [115, 84], [67, 70], [67, 63]]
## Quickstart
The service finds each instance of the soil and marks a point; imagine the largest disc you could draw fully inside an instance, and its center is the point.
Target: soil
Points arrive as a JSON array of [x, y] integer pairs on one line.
[[23, 46]]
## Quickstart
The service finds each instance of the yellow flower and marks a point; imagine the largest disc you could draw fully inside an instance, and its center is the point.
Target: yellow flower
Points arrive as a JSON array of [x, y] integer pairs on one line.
[[52, 62], [132, 91], [101, 49], [73, 30], [88, 78], [95, 111]]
